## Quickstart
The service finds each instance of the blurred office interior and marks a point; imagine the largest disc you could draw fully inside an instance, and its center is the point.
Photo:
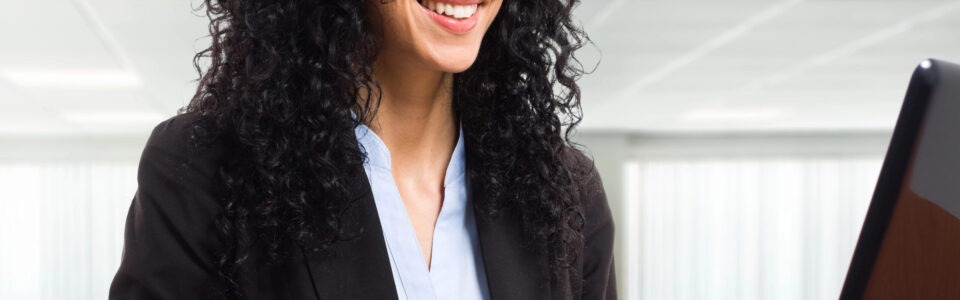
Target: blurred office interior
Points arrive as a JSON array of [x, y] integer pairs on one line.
[[739, 141]]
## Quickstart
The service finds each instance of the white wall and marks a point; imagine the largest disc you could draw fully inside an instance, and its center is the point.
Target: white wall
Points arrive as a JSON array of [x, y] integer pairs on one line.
[[64, 203], [748, 216]]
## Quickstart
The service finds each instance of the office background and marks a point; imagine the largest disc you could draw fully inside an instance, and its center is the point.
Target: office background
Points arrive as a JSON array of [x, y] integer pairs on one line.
[[739, 141]]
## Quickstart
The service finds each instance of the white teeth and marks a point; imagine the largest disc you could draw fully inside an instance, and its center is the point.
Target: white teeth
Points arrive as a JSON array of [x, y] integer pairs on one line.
[[456, 11]]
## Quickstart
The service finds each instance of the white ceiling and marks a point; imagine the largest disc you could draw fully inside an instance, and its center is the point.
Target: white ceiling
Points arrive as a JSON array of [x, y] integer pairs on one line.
[[667, 66], [153, 40], [751, 65]]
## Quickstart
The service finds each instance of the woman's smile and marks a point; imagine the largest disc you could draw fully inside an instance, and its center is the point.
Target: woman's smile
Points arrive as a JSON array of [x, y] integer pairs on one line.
[[457, 16]]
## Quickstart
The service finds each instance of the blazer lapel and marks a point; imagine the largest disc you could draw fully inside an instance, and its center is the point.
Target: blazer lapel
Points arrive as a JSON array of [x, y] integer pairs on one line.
[[358, 268], [514, 270]]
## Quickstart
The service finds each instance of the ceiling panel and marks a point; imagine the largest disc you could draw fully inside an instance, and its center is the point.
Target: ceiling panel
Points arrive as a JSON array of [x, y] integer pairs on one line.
[[821, 65], [48, 33]]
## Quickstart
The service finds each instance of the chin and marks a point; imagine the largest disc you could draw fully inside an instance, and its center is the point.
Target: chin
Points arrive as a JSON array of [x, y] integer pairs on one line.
[[446, 40], [454, 61]]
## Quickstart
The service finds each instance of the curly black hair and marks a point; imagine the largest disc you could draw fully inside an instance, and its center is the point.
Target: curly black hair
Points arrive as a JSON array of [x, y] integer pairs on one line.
[[283, 77]]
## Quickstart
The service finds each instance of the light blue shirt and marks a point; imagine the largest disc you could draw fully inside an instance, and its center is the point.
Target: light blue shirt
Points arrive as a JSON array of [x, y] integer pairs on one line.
[[456, 265]]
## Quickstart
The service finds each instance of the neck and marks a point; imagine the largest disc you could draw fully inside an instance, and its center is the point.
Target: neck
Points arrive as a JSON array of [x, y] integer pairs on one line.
[[415, 119]]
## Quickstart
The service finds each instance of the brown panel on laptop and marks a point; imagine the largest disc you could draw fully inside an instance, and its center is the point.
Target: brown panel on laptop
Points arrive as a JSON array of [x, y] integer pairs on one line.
[[920, 255]]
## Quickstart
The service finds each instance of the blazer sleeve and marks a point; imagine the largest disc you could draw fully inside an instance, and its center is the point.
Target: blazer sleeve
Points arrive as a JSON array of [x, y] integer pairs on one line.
[[599, 277], [169, 249]]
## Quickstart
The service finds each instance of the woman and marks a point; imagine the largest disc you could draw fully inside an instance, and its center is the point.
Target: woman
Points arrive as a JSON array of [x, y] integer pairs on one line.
[[374, 150]]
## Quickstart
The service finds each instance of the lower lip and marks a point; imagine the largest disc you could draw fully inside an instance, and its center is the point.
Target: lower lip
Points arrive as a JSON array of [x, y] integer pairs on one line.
[[459, 26]]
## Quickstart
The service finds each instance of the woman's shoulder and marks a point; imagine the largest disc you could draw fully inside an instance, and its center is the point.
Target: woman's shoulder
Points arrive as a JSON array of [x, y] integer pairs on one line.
[[584, 169], [597, 269], [587, 181], [176, 132], [176, 172], [173, 142]]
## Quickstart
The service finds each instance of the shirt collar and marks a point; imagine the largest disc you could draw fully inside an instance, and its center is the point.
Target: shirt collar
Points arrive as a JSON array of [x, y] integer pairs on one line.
[[377, 154]]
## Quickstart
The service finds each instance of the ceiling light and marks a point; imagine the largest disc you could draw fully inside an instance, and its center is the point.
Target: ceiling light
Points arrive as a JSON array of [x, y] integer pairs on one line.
[[113, 117], [71, 78], [732, 115]]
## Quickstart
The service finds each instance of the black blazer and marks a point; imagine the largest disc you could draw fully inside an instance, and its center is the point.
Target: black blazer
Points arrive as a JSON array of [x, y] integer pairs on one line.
[[170, 242]]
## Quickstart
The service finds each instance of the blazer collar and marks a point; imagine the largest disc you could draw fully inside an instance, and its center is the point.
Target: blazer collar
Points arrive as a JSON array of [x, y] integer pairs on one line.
[[359, 268]]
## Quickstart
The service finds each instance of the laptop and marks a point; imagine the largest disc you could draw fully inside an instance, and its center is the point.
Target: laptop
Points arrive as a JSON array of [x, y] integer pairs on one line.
[[909, 247]]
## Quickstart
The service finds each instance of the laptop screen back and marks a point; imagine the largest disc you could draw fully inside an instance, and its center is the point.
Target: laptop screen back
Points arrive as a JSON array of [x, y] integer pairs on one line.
[[910, 244]]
